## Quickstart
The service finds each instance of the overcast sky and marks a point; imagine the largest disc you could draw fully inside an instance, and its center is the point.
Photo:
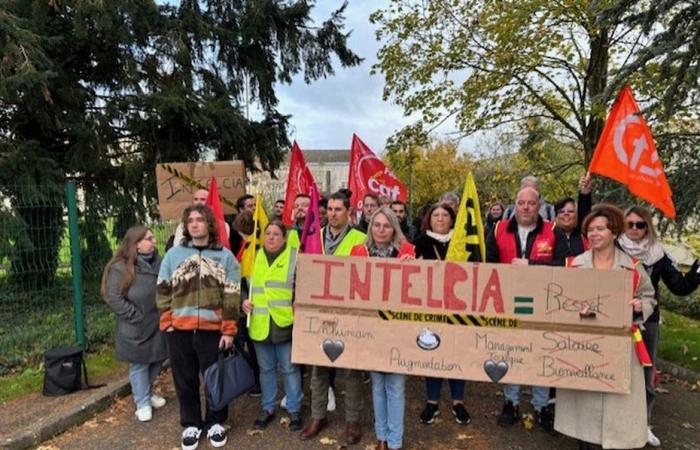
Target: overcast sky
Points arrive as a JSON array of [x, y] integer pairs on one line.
[[327, 112]]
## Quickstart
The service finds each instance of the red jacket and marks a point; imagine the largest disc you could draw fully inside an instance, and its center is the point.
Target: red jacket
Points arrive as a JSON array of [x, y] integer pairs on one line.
[[542, 249], [407, 249]]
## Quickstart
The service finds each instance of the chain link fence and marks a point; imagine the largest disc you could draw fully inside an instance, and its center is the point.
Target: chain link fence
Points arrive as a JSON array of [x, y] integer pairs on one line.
[[54, 243]]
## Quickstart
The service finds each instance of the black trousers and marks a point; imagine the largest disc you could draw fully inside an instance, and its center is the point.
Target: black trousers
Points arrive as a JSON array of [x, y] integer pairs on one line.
[[190, 354]]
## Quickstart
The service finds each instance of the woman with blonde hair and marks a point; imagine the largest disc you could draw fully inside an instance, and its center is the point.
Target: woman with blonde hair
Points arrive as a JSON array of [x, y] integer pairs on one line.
[[129, 288], [385, 240], [641, 242]]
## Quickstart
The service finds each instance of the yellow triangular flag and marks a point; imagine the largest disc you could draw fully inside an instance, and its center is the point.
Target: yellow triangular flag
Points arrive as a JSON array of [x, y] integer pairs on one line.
[[468, 243], [253, 241]]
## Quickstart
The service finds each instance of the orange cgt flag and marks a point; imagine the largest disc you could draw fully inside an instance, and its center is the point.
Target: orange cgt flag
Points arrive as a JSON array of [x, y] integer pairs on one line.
[[627, 154]]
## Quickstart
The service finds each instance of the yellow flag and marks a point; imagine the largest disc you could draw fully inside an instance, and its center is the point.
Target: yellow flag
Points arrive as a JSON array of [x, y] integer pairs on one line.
[[253, 241], [468, 243]]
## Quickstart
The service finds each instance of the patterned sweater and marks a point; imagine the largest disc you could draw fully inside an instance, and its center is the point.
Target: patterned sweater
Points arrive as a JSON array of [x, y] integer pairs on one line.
[[199, 290]]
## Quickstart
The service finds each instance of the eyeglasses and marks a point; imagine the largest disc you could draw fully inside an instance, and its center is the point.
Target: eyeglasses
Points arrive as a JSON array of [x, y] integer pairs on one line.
[[637, 225], [566, 211]]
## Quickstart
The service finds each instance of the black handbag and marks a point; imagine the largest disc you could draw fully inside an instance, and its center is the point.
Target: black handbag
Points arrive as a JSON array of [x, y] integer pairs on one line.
[[65, 371], [228, 378]]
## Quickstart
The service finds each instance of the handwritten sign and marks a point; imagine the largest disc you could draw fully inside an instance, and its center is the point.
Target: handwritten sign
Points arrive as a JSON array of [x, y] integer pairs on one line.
[[537, 325], [177, 183]]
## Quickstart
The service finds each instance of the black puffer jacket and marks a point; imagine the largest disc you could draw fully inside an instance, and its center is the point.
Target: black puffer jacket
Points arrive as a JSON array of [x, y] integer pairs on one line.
[[677, 282]]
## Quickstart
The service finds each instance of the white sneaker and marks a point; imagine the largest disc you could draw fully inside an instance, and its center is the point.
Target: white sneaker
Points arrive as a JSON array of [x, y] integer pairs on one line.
[[283, 403], [190, 438], [144, 413], [157, 401], [217, 436], [331, 400], [652, 439]]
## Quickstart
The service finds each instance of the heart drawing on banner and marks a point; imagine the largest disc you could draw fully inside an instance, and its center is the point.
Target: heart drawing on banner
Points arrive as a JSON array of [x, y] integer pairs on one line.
[[333, 349], [495, 370]]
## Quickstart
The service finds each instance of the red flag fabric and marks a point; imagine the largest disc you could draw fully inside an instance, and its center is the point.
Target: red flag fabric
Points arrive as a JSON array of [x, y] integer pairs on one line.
[[311, 234], [627, 154], [368, 174], [299, 181], [214, 203]]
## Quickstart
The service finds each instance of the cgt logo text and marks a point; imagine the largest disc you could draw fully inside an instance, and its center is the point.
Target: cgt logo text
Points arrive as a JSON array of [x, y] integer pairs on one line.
[[382, 189]]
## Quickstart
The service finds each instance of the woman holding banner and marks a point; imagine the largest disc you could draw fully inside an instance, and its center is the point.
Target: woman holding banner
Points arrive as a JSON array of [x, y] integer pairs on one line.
[[610, 420], [385, 240], [270, 327], [432, 244], [641, 242]]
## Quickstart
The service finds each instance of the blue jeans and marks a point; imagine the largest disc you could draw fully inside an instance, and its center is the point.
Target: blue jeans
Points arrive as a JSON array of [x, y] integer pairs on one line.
[[434, 385], [540, 395], [141, 377], [389, 398], [269, 355]]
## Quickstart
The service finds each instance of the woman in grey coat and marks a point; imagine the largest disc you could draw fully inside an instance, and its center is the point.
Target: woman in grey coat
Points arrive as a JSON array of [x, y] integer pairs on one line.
[[129, 288]]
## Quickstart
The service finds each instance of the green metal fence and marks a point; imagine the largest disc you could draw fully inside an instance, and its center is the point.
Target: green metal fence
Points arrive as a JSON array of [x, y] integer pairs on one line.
[[54, 242]]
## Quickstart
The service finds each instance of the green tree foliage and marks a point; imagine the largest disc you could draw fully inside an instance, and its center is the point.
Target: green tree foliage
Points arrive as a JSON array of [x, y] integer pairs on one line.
[[431, 170], [100, 91], [491, 64]]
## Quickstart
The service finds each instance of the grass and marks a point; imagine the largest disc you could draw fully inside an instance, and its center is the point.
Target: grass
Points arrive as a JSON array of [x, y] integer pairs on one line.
[[31, 379], [680, 340]]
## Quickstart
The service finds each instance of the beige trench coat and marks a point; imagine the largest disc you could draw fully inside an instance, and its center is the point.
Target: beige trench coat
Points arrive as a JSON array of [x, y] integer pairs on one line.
[[609, 420]]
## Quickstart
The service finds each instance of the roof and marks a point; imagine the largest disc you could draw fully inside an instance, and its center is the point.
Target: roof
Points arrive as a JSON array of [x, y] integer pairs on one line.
[[326, 156]]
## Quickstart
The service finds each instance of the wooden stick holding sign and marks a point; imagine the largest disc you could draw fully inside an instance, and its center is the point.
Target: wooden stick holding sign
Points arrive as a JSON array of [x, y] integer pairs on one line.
[[502, 323]]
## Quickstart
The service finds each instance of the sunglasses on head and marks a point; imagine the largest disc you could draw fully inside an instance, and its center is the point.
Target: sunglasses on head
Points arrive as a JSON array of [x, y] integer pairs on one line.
[[637, 225]]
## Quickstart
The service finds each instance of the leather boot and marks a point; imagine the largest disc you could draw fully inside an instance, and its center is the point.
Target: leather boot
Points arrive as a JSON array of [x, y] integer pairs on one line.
[[353, 432], [381, 445], [313, 429]]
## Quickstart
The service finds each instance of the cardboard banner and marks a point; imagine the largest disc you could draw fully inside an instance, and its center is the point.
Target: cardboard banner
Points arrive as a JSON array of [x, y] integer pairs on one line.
[[177, 183], [507, 324]]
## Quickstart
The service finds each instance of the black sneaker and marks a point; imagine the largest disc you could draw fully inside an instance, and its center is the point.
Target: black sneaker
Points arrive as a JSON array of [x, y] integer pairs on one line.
[[510, 415], [295, 421], [430, 412], [190, 438], [255, 391], [263, 420], [217, 436], [545, 417], [461, 414]]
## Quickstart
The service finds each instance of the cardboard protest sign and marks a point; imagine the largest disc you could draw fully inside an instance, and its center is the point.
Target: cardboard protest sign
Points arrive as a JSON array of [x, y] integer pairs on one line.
[[508, 324], [177, 183]]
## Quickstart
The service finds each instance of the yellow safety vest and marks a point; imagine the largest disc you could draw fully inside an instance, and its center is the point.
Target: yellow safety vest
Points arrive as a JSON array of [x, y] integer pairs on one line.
[[293, 238], [353, 238], [271, 292]]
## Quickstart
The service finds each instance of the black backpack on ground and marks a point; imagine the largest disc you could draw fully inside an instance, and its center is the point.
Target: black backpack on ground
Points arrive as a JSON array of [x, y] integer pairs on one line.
[[64, 369]]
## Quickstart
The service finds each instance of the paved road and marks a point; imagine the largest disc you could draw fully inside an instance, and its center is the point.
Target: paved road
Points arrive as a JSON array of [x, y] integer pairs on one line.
[[677, 418]]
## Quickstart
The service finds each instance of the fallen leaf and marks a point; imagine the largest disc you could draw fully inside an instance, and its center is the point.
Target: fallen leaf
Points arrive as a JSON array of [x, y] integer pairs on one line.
[[285, 421], [463, 437], [370, 447], [327, 441], [253, 432], [528, 422], [688, 425], [662, 390], [92, 423]]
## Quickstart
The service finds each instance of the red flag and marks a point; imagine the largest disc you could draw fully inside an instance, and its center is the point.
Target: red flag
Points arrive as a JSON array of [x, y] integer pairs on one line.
[[627, 154], [311, 234], [299, 181], [368, 174], [214, 203]]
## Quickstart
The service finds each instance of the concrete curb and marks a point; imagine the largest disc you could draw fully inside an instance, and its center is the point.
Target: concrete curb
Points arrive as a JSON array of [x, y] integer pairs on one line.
[[677, 371], [35, 434]]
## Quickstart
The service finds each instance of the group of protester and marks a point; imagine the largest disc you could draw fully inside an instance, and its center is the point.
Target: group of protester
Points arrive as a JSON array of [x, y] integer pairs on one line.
[[190, 305]]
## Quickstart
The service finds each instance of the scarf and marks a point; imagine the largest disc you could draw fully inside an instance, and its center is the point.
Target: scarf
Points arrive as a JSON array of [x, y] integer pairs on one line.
[[383, 252], [647, 253], [441, 238], [331, 243], [147, 258]]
